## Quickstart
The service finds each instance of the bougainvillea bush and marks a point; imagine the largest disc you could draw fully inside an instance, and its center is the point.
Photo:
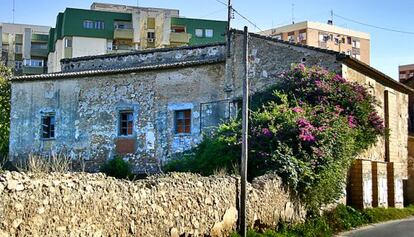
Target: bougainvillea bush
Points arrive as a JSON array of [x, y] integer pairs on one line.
[[307, 129]]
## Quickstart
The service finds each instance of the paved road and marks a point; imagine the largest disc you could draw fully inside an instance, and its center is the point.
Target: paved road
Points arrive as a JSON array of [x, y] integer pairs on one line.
[[399, 228]]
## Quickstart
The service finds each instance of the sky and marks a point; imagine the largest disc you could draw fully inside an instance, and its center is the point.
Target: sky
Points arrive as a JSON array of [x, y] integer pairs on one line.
[[388, 49]]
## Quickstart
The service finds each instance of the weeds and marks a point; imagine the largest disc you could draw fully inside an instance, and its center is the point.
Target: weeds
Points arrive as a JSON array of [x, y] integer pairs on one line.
[[53, 162]]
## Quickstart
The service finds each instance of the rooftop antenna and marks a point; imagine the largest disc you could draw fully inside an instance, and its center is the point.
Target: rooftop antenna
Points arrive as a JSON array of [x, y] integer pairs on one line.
[[332, 14], [13, 10], [293, 13]]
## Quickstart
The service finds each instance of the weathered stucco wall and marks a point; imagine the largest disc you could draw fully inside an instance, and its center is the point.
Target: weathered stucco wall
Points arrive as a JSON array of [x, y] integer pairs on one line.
[[87, 113], [144, 57], [168, 205], [268, 59]]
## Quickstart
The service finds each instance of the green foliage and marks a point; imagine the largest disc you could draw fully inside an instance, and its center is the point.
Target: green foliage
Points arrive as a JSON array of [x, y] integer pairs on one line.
[[5, 92], [307, 129], [117, 168], [341, 218]]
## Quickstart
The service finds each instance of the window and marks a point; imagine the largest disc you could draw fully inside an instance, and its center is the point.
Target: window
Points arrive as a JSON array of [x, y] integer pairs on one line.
[[18, 65], [209, 33], [178, 29], [88, 24], [349, 40], [68, 43], [126, 123], [33, 63], [336, 41], [99, 25], [183, 121], [48, 126], [355, 44], [199, 32], [302, 36], [151, 36], [123, 25]]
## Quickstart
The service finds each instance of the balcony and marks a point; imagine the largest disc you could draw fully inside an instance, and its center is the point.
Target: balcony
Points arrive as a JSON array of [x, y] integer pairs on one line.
[[39, 52], [40, 38], [179, 38], [124, 34], [28, 70]]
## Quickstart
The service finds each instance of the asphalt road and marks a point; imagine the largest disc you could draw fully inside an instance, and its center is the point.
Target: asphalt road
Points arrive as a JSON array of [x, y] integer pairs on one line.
[[399, 228]]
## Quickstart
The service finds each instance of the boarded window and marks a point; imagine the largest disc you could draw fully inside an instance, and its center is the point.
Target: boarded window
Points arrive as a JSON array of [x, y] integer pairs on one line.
[[183, 121], [126, 123], [48, 126]]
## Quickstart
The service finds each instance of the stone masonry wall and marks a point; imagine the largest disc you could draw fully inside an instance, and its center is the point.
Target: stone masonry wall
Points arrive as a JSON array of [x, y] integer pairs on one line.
[[143, 58], [87, 114], [80, 204]]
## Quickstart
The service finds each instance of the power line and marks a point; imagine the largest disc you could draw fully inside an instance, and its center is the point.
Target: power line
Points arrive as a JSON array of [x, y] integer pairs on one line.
[[374, 26], [238, 13], [214, 12]]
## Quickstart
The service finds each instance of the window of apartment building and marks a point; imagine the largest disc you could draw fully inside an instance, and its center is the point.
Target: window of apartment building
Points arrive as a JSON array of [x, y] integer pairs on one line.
[[349, 40], [182, 121], [39, 46], [48, 126], [122, 25], [356, 44], [199, 32], [178, 29], [68, 42], [88, 24], [302, 36], [323, 37], [99, 25], [209, 33], [126, 123], [18, 49], [151, 36], [18, 65], [291, 36], [336, 41], [33, 63], [331, 37]]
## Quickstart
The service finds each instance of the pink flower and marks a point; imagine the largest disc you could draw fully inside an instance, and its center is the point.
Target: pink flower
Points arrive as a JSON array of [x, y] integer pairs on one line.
[[338, 78], [267, 133], [298, 110], [352, 122]]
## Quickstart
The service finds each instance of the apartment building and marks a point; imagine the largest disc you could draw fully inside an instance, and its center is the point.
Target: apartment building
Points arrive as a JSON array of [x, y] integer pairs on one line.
[[406, 72], [326, 36], [24, 47], [111, 28]]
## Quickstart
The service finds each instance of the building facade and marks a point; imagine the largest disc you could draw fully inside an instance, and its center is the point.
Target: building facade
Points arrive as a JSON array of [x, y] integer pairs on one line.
[[24, 48], [110, 28], [406, 72], [147, 106], [325, 36]]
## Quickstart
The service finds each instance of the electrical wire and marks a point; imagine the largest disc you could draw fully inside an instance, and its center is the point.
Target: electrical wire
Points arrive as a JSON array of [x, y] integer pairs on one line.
[[238, 13], [374, 26], [214, 12]]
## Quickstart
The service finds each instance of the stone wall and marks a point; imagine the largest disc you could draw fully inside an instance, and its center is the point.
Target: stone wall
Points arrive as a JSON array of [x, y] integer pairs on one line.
[[143, 58], [166, 205], [87, 114], [409, 191]]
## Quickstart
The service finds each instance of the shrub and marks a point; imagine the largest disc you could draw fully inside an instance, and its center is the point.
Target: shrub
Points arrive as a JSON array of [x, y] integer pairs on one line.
[[117, 168], [307, 129], [5, 92]]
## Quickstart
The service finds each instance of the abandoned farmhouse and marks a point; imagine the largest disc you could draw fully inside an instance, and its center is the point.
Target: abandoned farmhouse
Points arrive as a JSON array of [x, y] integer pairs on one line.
[[146, 106]]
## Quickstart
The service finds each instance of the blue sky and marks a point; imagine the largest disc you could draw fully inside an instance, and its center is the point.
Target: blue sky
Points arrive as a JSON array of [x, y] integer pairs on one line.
[[388, 49]]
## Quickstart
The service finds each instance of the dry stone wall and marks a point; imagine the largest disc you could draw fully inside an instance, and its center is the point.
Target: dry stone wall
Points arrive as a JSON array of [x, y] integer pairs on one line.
[[178, 204]]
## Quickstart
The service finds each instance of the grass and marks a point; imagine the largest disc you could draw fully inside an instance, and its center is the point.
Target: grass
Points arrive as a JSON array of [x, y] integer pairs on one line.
[[340, 219]]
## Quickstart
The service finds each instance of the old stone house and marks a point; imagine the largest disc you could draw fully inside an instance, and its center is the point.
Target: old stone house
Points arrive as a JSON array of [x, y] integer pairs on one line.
[[148, 105]]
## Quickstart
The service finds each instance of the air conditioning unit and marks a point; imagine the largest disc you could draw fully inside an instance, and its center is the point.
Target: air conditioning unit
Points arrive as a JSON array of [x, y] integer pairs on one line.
[[151, 40]]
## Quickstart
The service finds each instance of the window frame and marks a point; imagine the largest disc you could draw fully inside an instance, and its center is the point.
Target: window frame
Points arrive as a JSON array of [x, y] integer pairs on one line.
[[127, 121], [186, 122], [99, 25], [51, 123], [207, 35], [199, 30], [88, 24]]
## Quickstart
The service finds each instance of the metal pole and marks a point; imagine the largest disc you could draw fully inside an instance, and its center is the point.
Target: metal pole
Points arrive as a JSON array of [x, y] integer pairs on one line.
[[245, 128], [229, 12]]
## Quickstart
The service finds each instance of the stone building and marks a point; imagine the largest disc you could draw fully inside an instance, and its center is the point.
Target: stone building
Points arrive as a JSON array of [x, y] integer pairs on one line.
[[148, 105]]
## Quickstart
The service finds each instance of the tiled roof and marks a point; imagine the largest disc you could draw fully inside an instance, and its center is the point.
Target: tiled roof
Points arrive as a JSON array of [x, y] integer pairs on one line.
[[61, 75]]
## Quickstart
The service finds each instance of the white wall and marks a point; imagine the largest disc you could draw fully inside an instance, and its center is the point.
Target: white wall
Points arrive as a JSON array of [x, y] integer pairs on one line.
[[82, 46]]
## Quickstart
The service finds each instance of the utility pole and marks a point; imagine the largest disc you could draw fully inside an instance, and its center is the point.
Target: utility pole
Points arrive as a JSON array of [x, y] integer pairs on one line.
[[293, 13], [229, 16], [245, 129]]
